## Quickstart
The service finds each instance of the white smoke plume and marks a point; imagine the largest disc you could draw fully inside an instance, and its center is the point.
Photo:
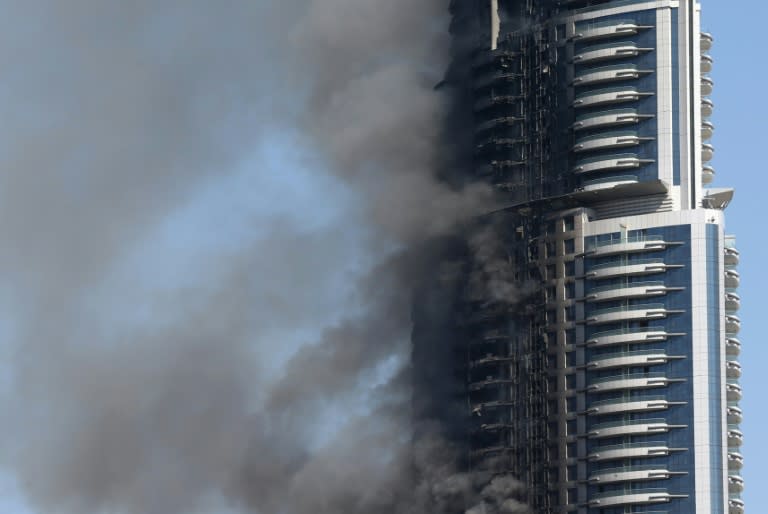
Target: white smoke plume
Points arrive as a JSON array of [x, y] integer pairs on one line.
[[266, 375]]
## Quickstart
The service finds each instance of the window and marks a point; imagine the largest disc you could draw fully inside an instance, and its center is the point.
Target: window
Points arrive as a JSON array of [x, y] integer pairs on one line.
[[571, 427], [570, 313], [570, 290], [570, 359], [570, 268], [551, 272], [573, 473], [569, 223], [569, 246], [570, 336], [550, 249]]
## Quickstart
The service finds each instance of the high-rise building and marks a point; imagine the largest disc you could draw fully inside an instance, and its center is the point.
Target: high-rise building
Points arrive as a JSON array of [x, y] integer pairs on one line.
[[584, 337]]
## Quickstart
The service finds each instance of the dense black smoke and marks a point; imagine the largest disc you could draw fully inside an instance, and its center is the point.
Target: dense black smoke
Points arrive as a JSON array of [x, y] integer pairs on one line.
[[116, 113]]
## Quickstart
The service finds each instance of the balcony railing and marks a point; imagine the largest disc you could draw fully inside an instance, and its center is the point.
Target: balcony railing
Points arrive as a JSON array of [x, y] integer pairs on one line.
[[632, 376], [628, 308], [628, 423], [618, 287]]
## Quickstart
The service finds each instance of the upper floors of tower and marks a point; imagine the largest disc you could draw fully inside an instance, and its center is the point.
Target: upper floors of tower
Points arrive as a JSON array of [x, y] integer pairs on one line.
[[587, 100]]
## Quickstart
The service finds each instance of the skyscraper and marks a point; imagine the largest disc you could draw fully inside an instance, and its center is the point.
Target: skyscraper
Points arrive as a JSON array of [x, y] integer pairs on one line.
[[586, 337]]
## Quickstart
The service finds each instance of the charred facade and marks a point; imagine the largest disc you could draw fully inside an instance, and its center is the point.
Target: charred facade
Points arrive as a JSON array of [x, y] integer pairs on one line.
[[583, 339]]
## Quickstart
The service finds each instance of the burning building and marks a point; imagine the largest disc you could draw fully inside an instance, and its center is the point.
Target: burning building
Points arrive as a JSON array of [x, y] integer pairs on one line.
[[584, 337]]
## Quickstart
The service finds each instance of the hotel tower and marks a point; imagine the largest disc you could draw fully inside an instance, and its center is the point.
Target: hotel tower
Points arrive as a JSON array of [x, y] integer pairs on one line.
[[584, 337]]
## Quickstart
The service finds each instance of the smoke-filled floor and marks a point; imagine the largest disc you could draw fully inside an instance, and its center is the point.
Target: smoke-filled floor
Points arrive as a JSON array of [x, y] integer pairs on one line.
[[213, 215]]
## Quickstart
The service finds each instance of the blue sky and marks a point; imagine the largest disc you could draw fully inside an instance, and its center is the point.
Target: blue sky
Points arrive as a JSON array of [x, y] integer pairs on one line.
[[740, 114]]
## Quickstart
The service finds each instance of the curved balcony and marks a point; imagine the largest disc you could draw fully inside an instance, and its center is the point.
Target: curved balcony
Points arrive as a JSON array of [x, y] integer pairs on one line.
[[616, 73], [627, 245], [735, 484], [618, 406], [609, 52], [735, 438], [616, 117], [630, 451], [735, 461], [496, 100], [706, 41], [733, 392], [732, 302], [628, 359], [732, 369], [630, 474], [627, 291], [627, 336], [496, 122], [707, 107], [732, 324], [609, 163], [634, 497], [706, 63], [607, 142], [732, 346], [707, 130], [491, 360], [734, 415], [707, 85], [633, 312], [731, 256], [609, 30], [608, 183], [491, 382], [735, 506], [707, 174], [609, 96], [732, 279], [627, 269], [628, 382], [707, 152], [636, 427]]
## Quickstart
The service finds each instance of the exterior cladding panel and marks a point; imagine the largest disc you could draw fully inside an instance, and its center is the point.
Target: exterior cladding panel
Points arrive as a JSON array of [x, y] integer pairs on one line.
[[581, 330]]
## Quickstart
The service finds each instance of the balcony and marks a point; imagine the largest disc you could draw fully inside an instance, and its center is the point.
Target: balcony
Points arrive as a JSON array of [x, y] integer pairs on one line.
[[707, 130], [491, 360], [495, 76], [731, 256], [706, 63], [616, 73], [617, 406], [735, 461], [732, 347], [627, 336], [609, 52], [735, 484], [649, 311], [735, 506], [732, 279], [631, 451], [608, 142], [629, 382], [491, 382], [628, 268], [707, 107], [732, 324], [628, 359], [632, 497], [627, 245], [732, 302], [707, 85], [707, 174], [626, 291], [732, 369], [609, 30], [609, 96], [616, 117], [735, 438], [733, 392], [706, 41], [707, 152], [608, 183], [636, 427], [609, 163], [734, 415], [630, 474]]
